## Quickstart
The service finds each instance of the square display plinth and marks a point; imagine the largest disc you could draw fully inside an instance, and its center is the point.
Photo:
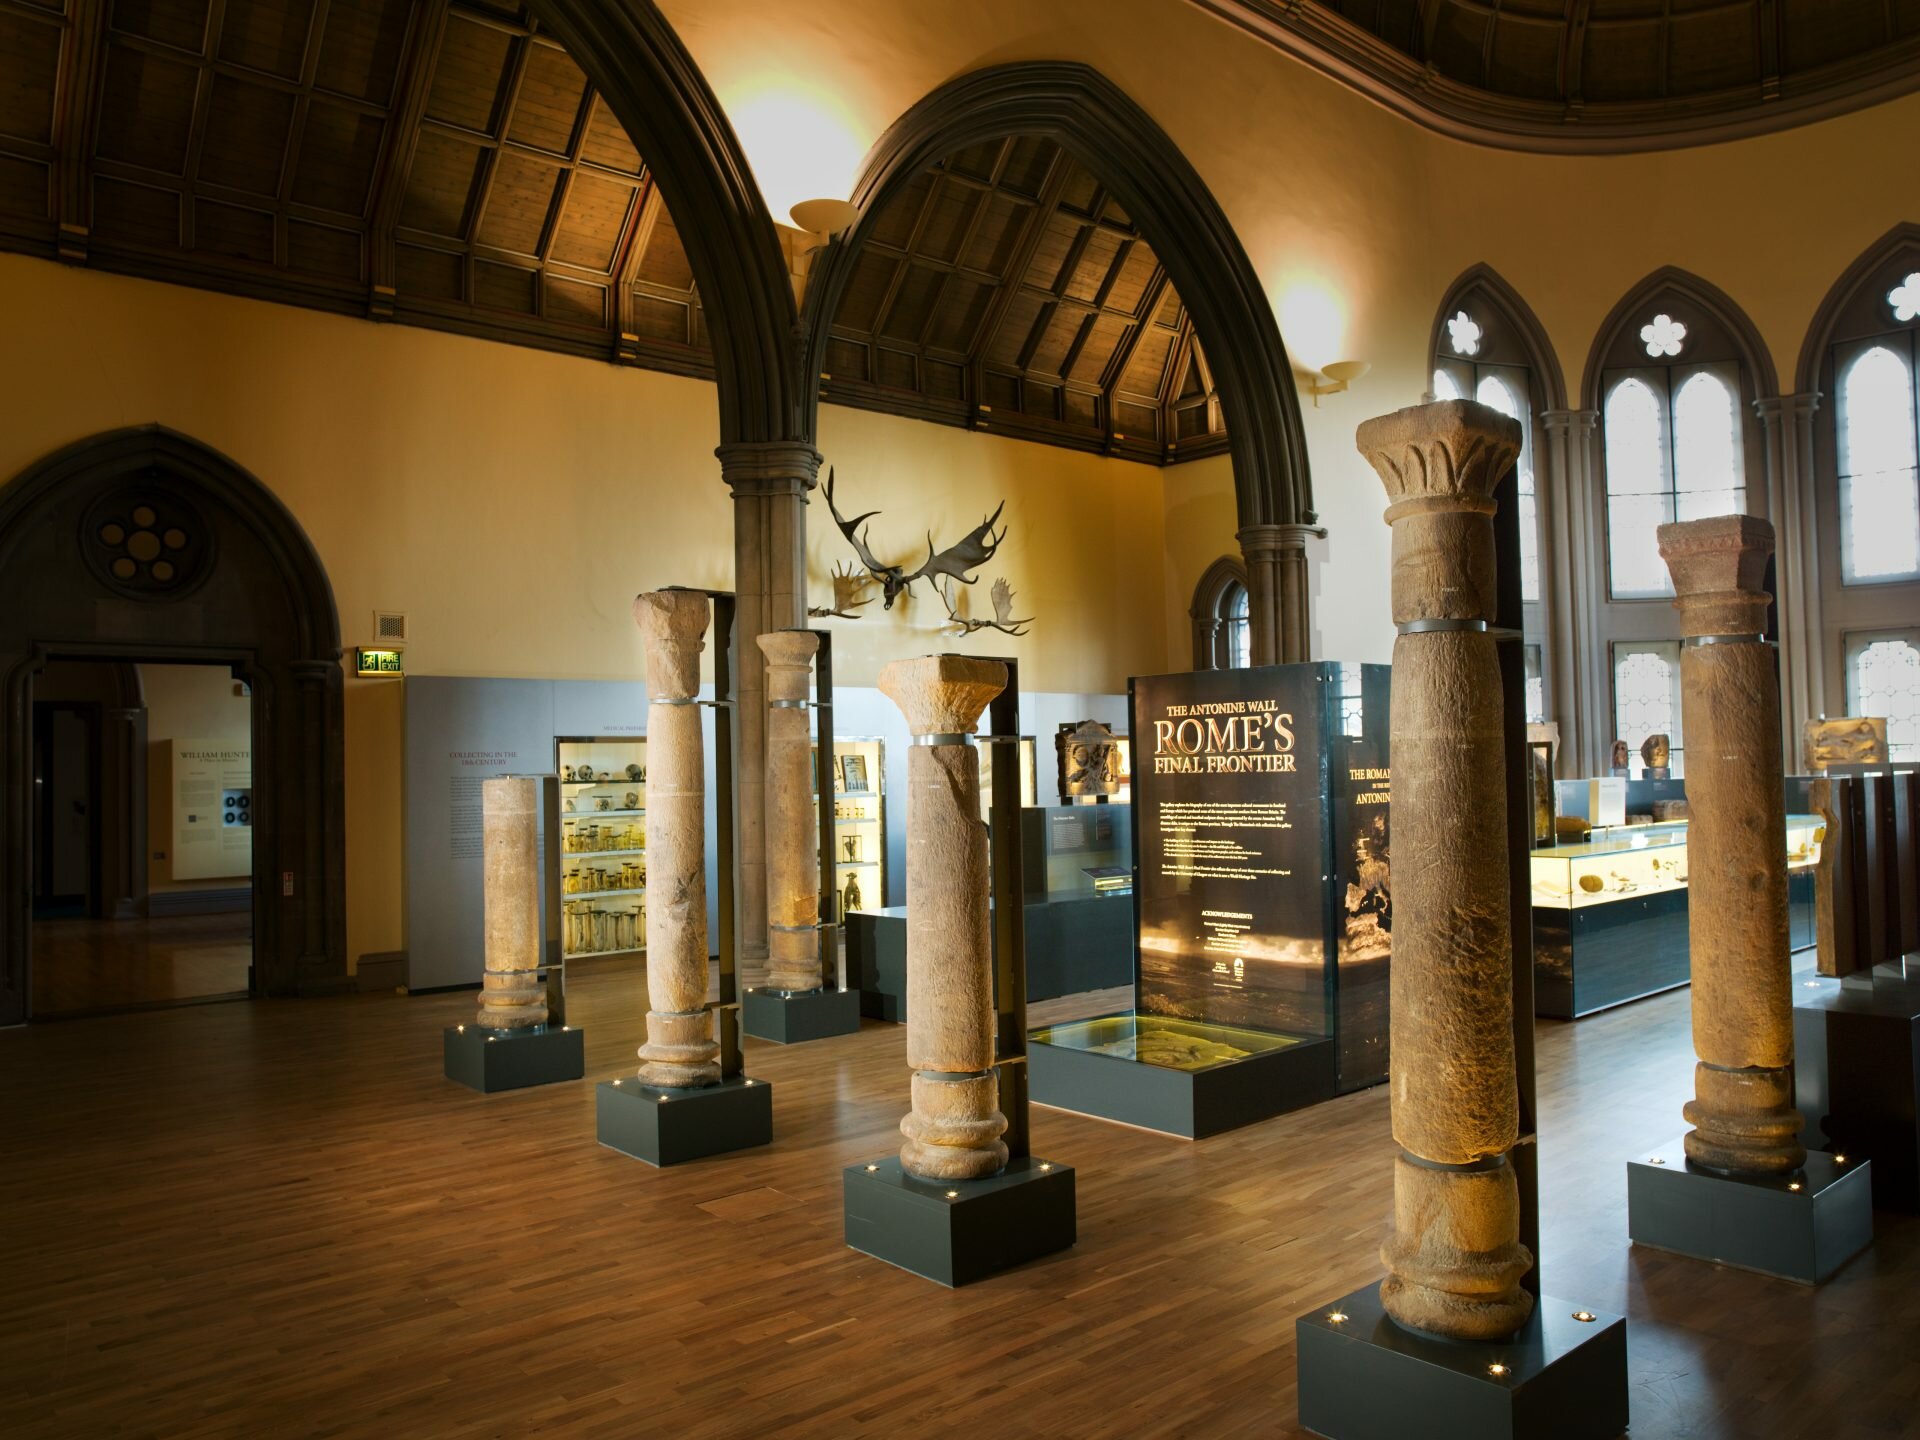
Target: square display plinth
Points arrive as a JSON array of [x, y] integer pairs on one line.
[[490, 1060], [1365, 1378], [1802, 1226], [1856, 1074], [792, 1018], [670, 1127], [959, 1231], [1094, 1067]]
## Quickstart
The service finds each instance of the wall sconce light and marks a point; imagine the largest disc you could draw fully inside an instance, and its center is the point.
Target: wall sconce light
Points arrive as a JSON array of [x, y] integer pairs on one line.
[[1335, 377], [825, 218]]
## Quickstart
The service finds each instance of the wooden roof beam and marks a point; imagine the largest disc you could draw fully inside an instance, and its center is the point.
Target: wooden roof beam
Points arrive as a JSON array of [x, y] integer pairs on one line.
[[1052, 188], [76, 120], [414, 80]]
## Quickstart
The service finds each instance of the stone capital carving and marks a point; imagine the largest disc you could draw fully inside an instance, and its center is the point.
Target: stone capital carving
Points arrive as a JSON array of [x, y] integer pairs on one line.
[[673, 626], [1719, 566], [769, 467], [1798, 406], [942, 694], [1570, 420], [789, 662], [1271, 542]]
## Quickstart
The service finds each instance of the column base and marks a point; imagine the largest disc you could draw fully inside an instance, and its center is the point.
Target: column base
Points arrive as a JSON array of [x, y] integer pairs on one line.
[[1366, 1378], [792, 1017], [671, 1127], [490, 1060], [1856, 1074], [958, 1231], [1759, 1224]]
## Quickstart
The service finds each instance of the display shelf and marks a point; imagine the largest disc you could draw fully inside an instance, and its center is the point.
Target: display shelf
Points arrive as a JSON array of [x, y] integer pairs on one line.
[[859, 844], [590, 927], [571, 815], [598, 854], [572, 895]]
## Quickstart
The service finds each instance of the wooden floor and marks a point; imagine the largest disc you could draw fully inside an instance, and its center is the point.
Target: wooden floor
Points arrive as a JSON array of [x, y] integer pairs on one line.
[[87, 965], [276, 1219]]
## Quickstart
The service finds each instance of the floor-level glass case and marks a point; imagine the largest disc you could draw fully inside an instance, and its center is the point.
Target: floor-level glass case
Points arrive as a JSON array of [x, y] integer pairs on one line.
[[603, 844]]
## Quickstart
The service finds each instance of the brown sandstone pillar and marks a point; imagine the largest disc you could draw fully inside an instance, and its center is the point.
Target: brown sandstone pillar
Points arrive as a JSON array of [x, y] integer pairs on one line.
[[681, 1050], [793, 829], [1742, 1111], [1454, 1259], [511, 995], [953, 1131]]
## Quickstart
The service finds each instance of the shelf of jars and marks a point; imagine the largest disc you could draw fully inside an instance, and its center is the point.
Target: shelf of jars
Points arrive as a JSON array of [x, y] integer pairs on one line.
[[603, 855], [858, 774]]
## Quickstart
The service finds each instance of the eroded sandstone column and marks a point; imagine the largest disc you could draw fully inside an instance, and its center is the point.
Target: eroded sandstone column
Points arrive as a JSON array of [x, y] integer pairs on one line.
[[1742, 1111], [511, 994], [793, 819], [953, 1131], [681, 1050], [1454, 1259]]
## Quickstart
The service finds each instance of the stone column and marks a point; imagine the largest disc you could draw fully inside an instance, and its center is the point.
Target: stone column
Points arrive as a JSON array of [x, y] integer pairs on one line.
[[1573, 586], [1742, 1111], [954, 1129], [681, 1051], [769, 480], [793, 821], [1279, 624], [1454, 1259], [511, 995], [1787, 423]]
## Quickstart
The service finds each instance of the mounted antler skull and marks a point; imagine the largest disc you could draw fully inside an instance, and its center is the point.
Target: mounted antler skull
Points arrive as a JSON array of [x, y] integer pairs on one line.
[[958, 624], [954, 562], [850, 588]]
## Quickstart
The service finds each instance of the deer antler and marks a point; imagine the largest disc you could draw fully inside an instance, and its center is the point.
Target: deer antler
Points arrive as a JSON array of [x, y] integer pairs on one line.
[[973, 551], [958, 624], [893, 580]]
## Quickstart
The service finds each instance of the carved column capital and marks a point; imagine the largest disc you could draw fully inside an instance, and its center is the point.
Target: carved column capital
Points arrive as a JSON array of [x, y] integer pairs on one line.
[[673, 626], [1798, 406], [769, 467], [1571, 421], [942, 694], [789, 662], [1271, 542], [1719, 568]]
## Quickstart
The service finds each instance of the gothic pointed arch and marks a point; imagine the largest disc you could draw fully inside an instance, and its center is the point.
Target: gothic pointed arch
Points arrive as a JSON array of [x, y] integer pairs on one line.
[[1897, 250], [1483, 284], [1673, 287], [145, 544], [636, 61], [1092, 119]]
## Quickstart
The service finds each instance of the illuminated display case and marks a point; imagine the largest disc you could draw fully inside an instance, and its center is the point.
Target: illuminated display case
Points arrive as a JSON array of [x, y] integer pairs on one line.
[[1610, 912], [603, 855], [1029, 777], [858, 776], [1076, 851], [1262, 904]]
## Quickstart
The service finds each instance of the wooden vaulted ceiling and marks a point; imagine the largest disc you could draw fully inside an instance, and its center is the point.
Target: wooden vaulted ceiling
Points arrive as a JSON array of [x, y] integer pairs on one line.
[[1005, 290], [439, 163]]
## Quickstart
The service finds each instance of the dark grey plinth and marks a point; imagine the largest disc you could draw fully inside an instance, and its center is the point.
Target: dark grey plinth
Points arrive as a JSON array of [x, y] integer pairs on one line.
[[670, 1127], [1189, 1103], [1802, 1226], [1856, 1075], [490, 1060], [790, 1018], [962, 1230], [1366, 1378], [877, 962]]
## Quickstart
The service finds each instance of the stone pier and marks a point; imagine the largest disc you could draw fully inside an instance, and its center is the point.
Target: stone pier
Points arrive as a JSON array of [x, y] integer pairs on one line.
[[512, 996], [681, 1050], [1742, 1112], [953, 1131], [1454, 1260], [793, 828]]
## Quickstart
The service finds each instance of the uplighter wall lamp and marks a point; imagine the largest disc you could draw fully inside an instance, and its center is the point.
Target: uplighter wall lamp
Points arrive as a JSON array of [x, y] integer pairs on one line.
[[1335, 377]]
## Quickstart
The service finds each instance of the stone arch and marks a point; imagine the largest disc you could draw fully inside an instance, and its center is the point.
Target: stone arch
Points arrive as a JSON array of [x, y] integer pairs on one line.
[[244, 587], [1484, 283], [1209, 599], [1090, 117], [1695, 292], [1902, 244]]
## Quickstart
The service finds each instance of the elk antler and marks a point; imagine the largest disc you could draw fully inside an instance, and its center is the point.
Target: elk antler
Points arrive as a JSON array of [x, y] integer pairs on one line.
[[893, 579], [958, 624], [975, 550]]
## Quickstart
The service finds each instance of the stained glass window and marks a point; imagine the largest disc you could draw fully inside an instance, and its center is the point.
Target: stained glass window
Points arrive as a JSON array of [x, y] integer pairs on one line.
[[1883, 679], [1879, 487], [1646, 695]]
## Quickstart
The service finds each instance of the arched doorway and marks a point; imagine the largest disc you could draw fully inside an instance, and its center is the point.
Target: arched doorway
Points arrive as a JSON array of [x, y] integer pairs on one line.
[[1118, 142], [145, 545]]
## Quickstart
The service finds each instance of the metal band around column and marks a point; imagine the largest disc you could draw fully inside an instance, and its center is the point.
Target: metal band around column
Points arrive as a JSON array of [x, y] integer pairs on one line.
[[1431, 627], [789, 704], [1691, 640], [942, 737]]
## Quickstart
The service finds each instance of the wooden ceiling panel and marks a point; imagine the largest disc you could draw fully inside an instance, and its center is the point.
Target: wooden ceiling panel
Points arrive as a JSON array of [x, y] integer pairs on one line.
[[234, 231], [470, 74], [269, 35], [339, 153], [151, 124], [1020, 324], [442, 185], [607, 145], [360, 51], [894, 227], [1097, 259], [547, 107], [1145, 371], [23, 188], [992, 244], [143, 214], [520, 200], [1058, 243], [246, 136], [179, 23], [977, 162], [1029, 159], [1088, 368], [1136, 273], [907, 314], [593, 222], [665, 263], [946, 225], [957, 321], [867, 288], [1058, 332], [27, 83]]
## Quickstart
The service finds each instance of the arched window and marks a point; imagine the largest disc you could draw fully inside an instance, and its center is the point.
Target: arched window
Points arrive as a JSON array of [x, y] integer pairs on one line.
[[1222, 628], [1862, 356], [1646, 696]]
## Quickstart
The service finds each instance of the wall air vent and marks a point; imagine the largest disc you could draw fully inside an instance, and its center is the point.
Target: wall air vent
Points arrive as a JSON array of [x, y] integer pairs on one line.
[[389, 627]]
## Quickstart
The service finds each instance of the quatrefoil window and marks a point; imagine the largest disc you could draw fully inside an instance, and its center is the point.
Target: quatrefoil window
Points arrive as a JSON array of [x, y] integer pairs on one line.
[[1664, 336], [1905, 298], [144, 542], [1463, 334]]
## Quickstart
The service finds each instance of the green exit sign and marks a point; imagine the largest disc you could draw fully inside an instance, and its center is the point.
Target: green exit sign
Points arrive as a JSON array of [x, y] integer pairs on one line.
[[381, 662]]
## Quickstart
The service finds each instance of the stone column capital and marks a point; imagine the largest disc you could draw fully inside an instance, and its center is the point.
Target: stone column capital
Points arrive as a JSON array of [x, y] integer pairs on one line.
[[1570, 420], [1440, 464], [942, 694], [1270, 542], [769, 467], [673, 625], [789, 661], [1798, 406], [1719, 568]]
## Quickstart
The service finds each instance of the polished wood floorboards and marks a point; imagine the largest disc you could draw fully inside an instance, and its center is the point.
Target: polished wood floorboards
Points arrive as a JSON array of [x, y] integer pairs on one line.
[[276, 1219], [88, 965]]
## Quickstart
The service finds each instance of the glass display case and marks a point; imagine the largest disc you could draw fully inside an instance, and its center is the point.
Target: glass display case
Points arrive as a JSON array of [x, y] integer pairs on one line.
[[1641, 860], [1029, 777], [857, 771], [603, 854], [1168, 1043], [1073, 851]]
